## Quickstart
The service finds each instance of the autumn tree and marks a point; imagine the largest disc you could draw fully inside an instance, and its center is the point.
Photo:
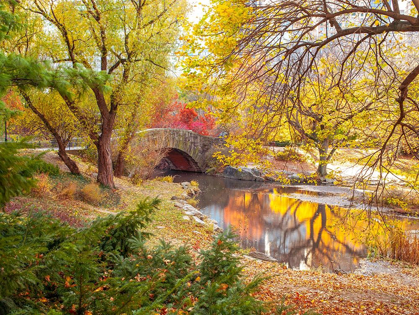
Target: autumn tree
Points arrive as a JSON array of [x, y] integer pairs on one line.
[[328, 116], [16, 173], [114, 37], [176, 114], [45, 119], [269, 52], [157, 89]]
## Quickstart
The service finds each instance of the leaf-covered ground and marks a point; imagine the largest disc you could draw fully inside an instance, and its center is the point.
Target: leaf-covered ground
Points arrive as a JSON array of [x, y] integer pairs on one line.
[[396, 292], [392, 290]]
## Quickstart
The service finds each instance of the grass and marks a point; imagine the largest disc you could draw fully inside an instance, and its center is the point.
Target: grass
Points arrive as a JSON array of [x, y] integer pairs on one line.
[[66, 203], [168, 179], [91, 193], [405, 247]]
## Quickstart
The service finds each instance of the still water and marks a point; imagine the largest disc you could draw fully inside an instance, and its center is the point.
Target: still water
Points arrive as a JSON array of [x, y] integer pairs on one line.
[[300, 234]]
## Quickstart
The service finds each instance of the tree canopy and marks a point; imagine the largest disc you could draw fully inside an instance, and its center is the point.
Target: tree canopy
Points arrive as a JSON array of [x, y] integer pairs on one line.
[[109, 53], [259, 59]]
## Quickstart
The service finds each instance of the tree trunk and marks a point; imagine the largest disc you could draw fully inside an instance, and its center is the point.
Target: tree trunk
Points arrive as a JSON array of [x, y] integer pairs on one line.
[[129, 134], [103, 145], [104, 163], [323, 159], [120, 165], [322, 169], [72, 166]]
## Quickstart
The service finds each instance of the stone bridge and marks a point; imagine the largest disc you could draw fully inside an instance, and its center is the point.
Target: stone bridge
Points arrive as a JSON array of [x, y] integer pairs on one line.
[[188, 151]]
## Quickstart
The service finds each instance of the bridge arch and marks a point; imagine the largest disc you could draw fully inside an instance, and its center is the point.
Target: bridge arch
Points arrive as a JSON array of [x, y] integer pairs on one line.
[[188, 151], [178, 160]]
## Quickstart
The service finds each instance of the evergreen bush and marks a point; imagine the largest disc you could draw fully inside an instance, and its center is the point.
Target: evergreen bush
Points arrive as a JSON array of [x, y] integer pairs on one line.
[[49, 267], [16, 172], [40, 166]]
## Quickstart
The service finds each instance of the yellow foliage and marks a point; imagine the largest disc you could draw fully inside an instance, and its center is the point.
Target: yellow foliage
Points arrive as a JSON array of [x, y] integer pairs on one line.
[[43, 185], [167, 179], [193, 202], [91, 193], [68, 192]]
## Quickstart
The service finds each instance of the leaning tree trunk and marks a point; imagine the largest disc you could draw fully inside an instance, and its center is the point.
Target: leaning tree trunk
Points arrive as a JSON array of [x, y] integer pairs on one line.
[[62, 153]]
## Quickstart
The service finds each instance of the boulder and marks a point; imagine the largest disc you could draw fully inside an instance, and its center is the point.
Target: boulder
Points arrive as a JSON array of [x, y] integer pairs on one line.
[[217, 228], [195, 214], [192, 191], [295, 178], [185, 196], [185, 185], [179, 205], [188, 207], [328, 182], [269, 178], [244, 173], [197, 220], [212, 221], [261, 256]]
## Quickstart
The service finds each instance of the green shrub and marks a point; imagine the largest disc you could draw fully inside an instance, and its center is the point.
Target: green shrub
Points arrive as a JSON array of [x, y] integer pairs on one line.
[[106, 268], [16, 174], [221, 289], [40, 166]]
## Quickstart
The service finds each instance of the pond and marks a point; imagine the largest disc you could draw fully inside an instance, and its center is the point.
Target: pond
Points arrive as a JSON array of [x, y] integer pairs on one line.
[[300, 234]]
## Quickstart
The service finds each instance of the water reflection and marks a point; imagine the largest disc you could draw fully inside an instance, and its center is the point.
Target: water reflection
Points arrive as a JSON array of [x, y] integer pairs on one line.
[[299, 233]]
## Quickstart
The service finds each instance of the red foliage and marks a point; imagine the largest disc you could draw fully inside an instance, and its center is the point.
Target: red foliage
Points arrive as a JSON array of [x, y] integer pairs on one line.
[[178, 116], [12, 101]]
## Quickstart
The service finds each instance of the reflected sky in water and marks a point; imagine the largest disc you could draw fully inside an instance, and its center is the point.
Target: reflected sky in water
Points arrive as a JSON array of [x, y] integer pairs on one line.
[[299, 233]]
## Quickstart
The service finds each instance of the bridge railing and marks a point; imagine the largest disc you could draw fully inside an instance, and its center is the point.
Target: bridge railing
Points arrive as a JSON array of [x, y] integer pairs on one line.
[[79, 143], [76, 143]]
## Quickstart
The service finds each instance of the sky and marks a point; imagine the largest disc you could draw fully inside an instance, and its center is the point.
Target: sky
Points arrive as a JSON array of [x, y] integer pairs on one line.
[[197, 9]]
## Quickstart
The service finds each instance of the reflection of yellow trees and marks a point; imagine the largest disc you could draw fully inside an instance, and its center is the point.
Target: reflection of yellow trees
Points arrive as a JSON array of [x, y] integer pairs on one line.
[[322, 223], [380, 234], [340, 229], [324, 234]]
